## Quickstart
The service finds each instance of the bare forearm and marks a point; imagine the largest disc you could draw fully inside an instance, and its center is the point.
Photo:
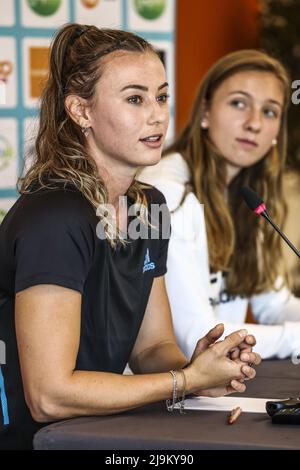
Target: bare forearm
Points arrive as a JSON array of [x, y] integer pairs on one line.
[[161, 358], [102, 393]]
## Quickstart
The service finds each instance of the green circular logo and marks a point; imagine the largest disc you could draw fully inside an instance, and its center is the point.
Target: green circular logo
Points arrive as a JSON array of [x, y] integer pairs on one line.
[[44, 7], [6, 153], [150, 9]]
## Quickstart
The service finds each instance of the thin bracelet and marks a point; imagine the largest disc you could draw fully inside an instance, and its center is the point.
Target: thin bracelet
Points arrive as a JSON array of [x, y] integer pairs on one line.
[[170, 405], [182, 400]]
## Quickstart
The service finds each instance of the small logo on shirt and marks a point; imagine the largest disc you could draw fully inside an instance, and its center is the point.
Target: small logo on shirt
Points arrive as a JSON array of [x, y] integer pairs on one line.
[[148, 265]]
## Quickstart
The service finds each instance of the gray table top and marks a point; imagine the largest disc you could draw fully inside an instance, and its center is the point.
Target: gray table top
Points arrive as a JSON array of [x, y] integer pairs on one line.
[[153, 428]]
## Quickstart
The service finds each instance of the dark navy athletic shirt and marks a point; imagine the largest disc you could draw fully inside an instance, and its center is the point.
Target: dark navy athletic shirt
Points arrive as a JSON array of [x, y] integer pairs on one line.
[[50, 237]]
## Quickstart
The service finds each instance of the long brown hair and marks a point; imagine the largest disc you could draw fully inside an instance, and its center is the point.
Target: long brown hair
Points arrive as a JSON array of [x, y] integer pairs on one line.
[[240, 244], [61, 152]]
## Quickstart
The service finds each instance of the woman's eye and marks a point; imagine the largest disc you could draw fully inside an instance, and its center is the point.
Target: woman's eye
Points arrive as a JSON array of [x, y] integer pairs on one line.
[[163, 98], [136, 99], [270, 113], [238, 104]]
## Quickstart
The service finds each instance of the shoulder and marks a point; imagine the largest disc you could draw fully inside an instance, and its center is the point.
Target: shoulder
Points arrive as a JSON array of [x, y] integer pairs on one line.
[[55, 203], [48, 210]]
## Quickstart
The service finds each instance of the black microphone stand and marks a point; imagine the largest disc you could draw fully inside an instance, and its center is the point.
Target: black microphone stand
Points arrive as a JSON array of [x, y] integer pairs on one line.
[[268, 218], [282, 411]]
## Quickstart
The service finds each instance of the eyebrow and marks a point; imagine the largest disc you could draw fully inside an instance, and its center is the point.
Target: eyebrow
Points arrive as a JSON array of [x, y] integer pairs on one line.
[[249, 96], [143, 88]]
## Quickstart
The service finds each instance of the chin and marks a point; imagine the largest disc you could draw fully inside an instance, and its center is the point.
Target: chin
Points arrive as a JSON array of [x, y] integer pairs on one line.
[[150, 161]]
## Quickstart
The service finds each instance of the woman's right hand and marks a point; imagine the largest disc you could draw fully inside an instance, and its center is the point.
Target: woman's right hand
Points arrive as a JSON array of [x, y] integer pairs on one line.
[[212, 371]]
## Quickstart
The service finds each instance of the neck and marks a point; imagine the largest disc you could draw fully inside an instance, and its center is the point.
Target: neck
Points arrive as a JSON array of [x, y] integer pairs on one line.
[[117, 184], [231, 172], [116, 175]]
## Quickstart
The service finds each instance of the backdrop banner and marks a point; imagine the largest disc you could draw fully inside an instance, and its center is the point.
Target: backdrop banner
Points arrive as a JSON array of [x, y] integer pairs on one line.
[[26, 31]]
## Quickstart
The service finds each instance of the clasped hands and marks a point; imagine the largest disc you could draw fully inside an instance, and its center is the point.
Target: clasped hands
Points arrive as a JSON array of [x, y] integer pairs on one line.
[[220, 355]]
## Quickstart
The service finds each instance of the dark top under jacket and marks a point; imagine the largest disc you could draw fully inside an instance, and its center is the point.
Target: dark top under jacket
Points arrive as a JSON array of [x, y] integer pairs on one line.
[[50, 237]]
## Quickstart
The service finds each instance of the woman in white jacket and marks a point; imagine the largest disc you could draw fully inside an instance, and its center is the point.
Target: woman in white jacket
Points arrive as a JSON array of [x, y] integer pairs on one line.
[[221, 256]]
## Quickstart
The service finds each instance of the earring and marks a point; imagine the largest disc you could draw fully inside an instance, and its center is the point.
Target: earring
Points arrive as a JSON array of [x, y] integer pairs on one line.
[[274, 142], [204, 124], [85, 131]]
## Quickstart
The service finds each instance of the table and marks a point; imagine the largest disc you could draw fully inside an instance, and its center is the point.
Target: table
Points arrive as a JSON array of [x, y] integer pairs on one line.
[[153, 428]]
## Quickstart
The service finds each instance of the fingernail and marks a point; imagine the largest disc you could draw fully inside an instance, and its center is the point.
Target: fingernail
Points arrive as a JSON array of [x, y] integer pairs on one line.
[[243, 333]]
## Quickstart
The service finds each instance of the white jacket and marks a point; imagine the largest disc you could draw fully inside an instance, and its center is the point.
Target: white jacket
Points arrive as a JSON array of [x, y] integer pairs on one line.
[[198, 300]]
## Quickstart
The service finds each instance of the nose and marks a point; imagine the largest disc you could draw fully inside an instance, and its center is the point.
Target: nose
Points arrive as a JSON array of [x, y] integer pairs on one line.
[[253, 122], [158, 113]]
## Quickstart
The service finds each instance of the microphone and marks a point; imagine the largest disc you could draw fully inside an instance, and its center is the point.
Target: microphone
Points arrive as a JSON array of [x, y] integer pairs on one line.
[[276, 409], [257, 205]]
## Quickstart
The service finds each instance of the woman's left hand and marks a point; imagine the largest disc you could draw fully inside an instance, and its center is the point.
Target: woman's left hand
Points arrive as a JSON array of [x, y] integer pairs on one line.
[[241, 354]]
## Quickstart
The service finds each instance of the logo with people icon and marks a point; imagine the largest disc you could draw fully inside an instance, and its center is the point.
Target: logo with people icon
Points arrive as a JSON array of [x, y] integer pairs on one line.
[[150, 9], [6, 68], [44, 7]]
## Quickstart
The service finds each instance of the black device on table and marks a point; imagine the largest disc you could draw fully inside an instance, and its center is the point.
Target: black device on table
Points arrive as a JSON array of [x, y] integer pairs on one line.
[[284, 411]]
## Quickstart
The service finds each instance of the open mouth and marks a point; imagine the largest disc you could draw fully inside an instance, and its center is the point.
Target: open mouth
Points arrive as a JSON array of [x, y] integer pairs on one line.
[[154, 140]]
